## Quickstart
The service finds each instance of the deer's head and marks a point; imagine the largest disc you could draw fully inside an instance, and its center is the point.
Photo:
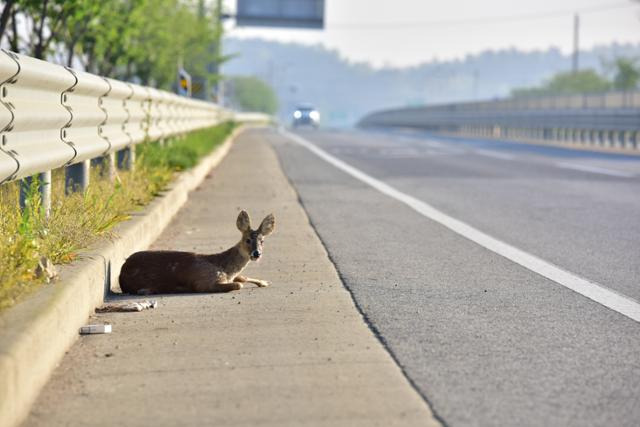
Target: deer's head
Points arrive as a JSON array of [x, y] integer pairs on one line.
[[252, 240]]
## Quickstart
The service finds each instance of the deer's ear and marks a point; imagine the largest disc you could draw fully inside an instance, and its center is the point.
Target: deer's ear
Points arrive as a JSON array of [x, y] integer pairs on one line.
[[243, 222], [267, 225]]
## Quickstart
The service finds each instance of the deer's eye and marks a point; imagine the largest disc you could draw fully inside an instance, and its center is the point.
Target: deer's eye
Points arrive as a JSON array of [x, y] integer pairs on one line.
[[248, 241]]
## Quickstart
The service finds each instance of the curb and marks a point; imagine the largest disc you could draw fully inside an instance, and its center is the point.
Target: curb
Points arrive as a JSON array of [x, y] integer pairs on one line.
[[36, 333]]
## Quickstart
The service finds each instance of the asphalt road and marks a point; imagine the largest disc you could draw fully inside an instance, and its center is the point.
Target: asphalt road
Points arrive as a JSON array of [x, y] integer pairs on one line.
[[484, 340]]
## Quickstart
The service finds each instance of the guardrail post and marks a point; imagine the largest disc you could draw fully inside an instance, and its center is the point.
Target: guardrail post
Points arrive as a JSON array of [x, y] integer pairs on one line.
[[625, 139], [127, 158], [106, 165], [44, 189], [110, 166], [620, 139], [612, 137], [77, 177]]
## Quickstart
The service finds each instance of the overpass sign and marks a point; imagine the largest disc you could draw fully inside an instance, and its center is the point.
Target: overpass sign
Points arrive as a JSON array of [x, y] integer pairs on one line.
[[280, 13]]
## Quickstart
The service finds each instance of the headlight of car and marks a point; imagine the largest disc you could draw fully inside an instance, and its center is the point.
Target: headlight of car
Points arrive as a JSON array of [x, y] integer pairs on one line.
[[314, 115], [297, 114]]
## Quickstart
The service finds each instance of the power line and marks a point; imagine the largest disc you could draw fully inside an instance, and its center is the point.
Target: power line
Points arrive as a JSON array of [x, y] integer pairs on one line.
[[480, 20]]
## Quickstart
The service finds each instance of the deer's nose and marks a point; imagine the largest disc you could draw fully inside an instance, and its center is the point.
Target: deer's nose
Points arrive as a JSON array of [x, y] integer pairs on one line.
[[255, 254]]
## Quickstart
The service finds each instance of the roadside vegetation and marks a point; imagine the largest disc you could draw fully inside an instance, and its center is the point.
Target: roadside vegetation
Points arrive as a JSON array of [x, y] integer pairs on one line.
[[247, 93], [132, 40], [624, 75], [81, 219]]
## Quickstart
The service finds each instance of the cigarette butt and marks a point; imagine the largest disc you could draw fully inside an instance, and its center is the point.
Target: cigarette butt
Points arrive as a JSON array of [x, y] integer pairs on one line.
[[95, 329]]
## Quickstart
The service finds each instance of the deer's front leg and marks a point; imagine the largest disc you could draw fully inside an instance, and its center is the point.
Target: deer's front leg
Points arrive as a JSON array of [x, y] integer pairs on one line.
[[260, 283], [217, 286]]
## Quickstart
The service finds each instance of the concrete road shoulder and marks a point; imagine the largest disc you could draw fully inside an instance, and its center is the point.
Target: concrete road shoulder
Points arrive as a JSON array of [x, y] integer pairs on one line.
[[295, 353], [35, 334]]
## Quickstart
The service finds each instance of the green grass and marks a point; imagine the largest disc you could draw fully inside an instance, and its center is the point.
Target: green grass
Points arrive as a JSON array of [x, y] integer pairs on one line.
[[81, 219]]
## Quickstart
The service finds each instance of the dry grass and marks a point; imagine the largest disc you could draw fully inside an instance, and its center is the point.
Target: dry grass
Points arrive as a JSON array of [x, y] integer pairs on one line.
[[80, 219]]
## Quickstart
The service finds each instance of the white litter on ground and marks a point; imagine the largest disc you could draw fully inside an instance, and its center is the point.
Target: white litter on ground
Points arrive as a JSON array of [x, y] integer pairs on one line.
[[95, 329], [128, 306]]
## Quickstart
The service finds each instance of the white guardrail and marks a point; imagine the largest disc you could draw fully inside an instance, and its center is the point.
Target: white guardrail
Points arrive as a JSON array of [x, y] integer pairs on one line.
[[53, 116]]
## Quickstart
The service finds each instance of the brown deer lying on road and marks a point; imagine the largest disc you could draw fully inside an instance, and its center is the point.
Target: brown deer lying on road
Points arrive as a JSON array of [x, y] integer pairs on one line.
[[158, 272]]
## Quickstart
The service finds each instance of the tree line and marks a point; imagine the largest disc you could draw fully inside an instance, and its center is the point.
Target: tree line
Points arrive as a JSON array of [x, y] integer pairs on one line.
[[134, 40], [625, 77], [248, 93]]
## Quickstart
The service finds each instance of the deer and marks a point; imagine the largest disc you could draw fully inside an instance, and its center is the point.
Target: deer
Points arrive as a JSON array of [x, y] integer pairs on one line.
[[165, 272]]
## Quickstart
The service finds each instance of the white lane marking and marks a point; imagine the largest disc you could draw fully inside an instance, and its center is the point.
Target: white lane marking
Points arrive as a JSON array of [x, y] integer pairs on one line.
[[495, 154], [598, 293], [595, 169]]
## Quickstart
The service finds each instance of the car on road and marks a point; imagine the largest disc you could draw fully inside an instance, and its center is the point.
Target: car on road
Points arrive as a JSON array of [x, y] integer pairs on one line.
[[306, 115]]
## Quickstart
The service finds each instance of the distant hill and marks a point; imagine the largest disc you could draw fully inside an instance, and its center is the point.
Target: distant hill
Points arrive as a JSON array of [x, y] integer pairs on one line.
[[344, 91]]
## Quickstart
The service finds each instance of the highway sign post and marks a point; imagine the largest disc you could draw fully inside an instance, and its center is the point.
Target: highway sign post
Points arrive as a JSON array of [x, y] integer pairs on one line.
[[184, 83]]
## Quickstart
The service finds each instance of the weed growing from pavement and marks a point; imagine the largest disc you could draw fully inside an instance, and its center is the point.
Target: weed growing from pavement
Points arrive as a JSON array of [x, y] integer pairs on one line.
[[81, 219]]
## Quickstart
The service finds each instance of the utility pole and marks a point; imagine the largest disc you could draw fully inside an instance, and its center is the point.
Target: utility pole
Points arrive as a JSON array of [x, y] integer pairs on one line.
[[576, 42], [201, 87]]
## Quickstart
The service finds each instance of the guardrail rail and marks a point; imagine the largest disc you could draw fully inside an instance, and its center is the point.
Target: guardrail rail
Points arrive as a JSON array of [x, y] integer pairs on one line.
[[53, 116], [608, 120]]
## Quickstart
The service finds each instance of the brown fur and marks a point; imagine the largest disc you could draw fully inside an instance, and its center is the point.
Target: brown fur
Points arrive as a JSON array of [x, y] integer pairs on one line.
[[157, 272]]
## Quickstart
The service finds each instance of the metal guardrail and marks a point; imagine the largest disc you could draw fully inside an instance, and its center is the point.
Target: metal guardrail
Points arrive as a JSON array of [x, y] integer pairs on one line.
[[597, 120], [53, 116], [606, 100]]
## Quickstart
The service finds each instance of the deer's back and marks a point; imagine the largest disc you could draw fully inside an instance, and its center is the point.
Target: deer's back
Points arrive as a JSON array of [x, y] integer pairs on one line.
[[162, 271]]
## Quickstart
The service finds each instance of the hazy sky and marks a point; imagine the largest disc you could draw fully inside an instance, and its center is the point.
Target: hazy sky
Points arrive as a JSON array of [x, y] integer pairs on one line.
[[408, 32]]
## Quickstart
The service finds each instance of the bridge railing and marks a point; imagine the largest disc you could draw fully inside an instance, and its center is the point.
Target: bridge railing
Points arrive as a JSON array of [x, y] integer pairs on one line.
[[53, 116], [609, 120]]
